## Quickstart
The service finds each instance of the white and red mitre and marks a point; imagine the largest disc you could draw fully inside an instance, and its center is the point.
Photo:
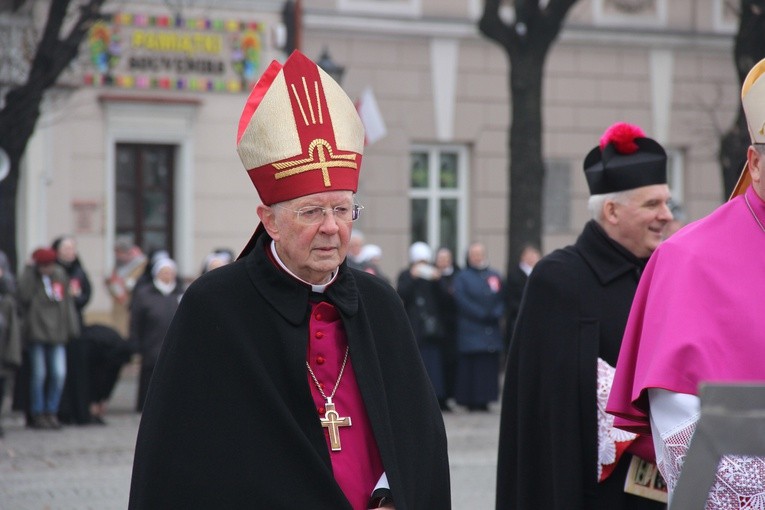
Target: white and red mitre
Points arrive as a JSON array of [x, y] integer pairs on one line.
[[753, 101], [299, 133]]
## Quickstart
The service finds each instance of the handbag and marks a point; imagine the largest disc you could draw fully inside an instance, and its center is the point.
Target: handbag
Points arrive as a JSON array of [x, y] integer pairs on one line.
[[432, 330]]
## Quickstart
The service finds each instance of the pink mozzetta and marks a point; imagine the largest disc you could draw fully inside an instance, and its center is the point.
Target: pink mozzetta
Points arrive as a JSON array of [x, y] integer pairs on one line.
[[696, 312]]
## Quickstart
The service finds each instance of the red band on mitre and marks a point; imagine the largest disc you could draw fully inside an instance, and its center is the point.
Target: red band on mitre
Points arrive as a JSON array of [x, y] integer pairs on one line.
[[299, 133]]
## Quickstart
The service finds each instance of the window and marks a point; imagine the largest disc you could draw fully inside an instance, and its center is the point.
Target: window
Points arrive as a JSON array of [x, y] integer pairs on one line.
[[410, 8], [725, 17], [675, 179], [438, 208], [144, 195], [556, 203]]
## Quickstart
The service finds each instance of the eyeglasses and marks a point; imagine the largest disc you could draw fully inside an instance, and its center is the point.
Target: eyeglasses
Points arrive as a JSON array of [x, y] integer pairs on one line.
[[312, 214]]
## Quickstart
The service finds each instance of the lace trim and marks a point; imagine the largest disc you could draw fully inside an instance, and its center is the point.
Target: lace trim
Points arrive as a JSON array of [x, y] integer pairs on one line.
[[739, 483], [612, 442]]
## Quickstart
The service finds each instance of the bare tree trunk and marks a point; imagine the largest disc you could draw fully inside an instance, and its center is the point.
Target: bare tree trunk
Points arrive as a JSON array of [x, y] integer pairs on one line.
[[527, 168], [527, 42]]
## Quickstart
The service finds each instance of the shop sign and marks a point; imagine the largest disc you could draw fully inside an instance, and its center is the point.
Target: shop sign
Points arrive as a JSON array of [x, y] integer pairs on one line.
[[137, 51]]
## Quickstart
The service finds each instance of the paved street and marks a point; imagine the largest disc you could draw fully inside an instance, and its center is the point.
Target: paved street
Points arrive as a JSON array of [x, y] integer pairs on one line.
[[88, 467]]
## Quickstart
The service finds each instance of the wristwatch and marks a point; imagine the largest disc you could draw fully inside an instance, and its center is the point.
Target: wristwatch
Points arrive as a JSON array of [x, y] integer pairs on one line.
[[380, 497]]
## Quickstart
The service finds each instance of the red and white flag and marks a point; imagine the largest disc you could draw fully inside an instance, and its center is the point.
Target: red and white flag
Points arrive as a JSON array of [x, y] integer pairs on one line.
[[374, 125]]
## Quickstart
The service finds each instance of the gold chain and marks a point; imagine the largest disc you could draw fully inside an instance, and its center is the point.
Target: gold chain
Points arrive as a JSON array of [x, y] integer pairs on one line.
[[339, 376]]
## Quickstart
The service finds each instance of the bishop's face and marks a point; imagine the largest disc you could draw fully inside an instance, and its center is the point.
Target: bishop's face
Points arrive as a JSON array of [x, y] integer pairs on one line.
[[311, 251]]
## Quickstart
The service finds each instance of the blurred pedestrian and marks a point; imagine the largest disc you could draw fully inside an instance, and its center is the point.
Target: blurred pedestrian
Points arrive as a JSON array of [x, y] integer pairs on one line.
[[371, 257], [353, 259], [423, 297], [74, 406], [480, 298], [108, 352], [217, 258], [449, 270], [516, 282], [151, 312], [129, 264], [67, 257], [10, 332], [50, 321]]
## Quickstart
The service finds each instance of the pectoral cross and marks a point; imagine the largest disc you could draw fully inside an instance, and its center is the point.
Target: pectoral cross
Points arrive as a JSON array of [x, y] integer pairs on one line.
[[332, 422]]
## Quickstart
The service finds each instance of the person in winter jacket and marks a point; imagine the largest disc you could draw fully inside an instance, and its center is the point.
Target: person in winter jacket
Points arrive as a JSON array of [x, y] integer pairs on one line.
[[49, 322]]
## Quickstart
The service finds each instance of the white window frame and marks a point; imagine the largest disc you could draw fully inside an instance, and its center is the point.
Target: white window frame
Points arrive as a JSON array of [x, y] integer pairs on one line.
[[720, 22], [676, 175], [408, 8], [565, 166], [434, 193]]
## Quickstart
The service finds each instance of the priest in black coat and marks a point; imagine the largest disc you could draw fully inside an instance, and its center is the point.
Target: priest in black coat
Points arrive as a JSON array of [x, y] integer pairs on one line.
[[288, 380], [558, 449]]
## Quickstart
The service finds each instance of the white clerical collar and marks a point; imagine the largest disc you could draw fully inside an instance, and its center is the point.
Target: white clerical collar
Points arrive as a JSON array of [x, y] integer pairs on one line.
[[525, 268], [316, 288]]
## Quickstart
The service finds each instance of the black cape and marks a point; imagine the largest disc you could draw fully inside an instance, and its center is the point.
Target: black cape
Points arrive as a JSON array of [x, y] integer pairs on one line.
[[229, 420], [574, 310]]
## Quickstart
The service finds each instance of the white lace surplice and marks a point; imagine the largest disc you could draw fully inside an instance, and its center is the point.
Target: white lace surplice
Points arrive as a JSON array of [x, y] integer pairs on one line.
[[740, 480], [612, 442]]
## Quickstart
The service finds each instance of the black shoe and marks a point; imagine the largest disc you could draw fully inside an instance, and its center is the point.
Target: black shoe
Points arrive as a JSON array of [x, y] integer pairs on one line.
[[97, 420], [53, 422], [2, 432], [444, 406], [39, 422]]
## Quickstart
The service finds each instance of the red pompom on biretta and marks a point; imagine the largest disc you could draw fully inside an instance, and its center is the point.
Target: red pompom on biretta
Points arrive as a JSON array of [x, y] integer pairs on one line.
[[622, 136]]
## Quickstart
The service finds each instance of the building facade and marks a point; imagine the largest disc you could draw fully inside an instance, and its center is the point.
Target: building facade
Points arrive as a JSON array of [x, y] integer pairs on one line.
[[139, 139]]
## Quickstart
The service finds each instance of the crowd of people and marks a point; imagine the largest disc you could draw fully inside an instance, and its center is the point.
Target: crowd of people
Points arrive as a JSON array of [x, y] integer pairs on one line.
[[461, 316], [61, 369]]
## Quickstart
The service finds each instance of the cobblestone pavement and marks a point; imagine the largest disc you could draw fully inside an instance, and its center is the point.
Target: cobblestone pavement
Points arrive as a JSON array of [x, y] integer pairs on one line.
[[88, 467]]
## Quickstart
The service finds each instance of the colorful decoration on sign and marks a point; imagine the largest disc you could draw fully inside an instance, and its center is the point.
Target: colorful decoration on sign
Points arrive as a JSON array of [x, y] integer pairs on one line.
[[103, 46], [246, 55], [139, 51]]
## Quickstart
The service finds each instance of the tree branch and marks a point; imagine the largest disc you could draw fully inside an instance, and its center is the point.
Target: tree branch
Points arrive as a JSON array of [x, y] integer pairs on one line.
[[54, 54], [492, 26], [557, 10], [552, 18]]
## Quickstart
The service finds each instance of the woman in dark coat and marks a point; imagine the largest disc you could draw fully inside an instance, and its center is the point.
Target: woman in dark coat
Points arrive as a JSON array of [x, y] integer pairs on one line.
[[151, 312], [75, 401], [424, 298], [480, 301], [448, 271]]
